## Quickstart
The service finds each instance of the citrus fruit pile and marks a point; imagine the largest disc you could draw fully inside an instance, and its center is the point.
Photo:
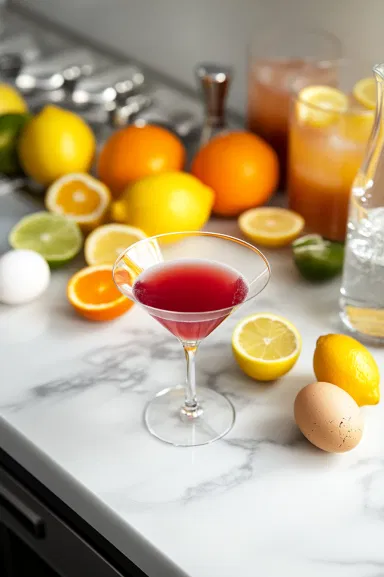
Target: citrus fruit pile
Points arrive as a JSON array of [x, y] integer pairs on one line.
[[138, 186], [139, 190]]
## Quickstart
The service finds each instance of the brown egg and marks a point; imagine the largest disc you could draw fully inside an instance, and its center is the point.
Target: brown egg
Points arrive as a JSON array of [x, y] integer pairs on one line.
[[328, 417]]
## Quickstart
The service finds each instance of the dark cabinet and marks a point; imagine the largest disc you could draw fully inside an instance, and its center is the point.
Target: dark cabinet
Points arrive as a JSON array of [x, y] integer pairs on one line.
[[36, 540], [18, 560]]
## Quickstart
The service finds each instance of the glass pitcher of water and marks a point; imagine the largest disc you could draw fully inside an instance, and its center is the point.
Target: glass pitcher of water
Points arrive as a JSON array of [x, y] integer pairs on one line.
[[362, 290]]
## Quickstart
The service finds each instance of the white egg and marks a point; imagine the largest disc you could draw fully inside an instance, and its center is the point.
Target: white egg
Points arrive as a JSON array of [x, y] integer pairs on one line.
[[24, 275]]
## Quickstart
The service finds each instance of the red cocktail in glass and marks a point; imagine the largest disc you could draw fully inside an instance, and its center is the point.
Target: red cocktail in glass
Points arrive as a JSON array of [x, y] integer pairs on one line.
[[190, 282], [190, 286]]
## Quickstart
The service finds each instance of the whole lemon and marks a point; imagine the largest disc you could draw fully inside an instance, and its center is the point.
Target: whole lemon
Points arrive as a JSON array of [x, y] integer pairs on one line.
[[55, 142], [162, 203], [343, 361], [11, 101]]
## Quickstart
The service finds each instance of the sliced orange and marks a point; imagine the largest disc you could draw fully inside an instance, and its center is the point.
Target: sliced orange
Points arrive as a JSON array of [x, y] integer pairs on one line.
[[80, 197], [94, 295]]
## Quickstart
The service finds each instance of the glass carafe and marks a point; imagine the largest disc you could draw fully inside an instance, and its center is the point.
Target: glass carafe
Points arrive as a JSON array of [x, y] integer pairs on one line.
[[362, 290]]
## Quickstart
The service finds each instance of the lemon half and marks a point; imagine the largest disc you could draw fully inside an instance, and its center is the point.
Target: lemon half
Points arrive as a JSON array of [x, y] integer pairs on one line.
[[272, 227], [107, 242], [266, 346], [320, 106]]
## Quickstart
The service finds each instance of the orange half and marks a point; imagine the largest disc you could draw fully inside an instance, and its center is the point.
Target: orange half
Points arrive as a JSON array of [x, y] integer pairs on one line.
[[94, 295], [80, 197]]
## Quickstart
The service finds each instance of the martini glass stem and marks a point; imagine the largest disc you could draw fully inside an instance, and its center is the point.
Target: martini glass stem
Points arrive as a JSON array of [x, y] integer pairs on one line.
[[191, 408]]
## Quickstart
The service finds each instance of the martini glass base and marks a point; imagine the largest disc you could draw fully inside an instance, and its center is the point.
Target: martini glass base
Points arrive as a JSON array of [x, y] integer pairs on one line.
[[164, 419]]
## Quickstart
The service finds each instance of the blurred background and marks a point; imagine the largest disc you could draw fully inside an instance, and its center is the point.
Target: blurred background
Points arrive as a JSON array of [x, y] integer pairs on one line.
[[172, 35]]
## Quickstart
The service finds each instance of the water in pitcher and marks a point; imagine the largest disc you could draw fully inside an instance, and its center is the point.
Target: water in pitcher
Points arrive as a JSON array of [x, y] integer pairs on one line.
[[362, 291], [363, 279]]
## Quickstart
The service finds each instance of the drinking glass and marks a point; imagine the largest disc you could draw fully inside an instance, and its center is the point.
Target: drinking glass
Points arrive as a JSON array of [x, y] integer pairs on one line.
[[190, 282], [278, 57], [326, 149]]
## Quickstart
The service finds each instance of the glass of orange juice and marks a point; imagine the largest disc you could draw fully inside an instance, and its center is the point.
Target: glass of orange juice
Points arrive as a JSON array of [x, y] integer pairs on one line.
[[329, 130], [277, 58]]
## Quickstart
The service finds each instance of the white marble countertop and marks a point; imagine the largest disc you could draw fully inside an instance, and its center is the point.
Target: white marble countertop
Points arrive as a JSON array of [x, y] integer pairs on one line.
[[262, 501]]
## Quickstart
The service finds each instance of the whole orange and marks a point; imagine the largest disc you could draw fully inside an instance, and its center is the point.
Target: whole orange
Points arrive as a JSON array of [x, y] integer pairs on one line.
[[241, 168], [134, 152]]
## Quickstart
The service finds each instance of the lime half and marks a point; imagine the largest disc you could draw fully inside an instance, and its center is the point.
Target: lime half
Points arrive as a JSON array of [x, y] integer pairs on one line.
[[316, 258], [57, 238]]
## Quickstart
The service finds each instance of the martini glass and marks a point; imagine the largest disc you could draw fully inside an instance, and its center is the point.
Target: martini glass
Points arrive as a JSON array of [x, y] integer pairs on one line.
[[190, 282]]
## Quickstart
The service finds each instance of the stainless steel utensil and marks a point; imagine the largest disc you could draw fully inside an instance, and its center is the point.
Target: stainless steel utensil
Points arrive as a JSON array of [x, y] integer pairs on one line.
[[214, 81], [108, 85], [56, 71]]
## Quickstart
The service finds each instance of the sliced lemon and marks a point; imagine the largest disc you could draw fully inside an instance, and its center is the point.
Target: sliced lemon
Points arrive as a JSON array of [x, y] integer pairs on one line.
[[266, 346], [365, 92], [271, 226], [79, 197], [321, 105], [107, 242]]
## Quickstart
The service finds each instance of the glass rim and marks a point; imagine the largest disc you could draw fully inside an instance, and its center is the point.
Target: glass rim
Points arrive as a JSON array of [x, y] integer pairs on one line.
[[352, 110], [219, 235], [298, 30]]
